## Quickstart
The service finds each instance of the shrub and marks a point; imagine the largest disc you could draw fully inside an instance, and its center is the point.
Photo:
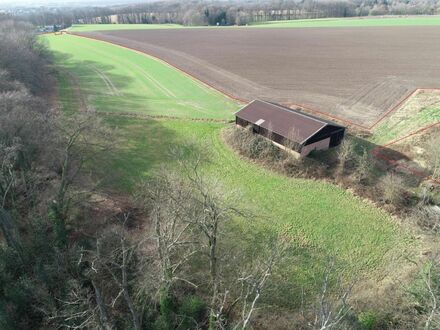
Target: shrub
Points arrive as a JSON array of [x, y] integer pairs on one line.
[[291, 166], [272, 153], [257, 146], [427, 217], [393, 189], [364, 167], [193, 311], [165, 320], [346, 154], [367, 320]]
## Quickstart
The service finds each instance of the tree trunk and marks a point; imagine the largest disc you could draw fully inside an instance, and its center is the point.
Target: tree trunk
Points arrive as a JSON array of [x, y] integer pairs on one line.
[[105, 322], [127, 297], [10, 232]]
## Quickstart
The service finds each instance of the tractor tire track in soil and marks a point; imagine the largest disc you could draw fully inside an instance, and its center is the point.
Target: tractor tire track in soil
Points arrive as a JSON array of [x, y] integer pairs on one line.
[[358, 74]]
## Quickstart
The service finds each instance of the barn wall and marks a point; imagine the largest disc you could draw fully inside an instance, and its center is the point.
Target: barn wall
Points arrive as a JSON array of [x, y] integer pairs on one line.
[[336, 138], [326, 132], [279, 139], [319, 145], [241, 122]]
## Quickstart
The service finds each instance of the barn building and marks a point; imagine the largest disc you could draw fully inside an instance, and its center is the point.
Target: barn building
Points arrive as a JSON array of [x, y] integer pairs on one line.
[[290, 128]]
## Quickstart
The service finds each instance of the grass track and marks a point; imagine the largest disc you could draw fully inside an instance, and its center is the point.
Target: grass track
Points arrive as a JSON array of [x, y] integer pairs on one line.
[[320, 219], [306, 23]]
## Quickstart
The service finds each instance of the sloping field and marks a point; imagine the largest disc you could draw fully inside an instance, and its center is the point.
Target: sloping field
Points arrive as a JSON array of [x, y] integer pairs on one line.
[[115, 80], [321, 219], [352, 73]]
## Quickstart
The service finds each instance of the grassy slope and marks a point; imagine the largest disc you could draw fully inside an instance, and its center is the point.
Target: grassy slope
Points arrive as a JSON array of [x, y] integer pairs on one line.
[[320, 218], [114, 79], [326, 22], [420, 110], [106, 27]]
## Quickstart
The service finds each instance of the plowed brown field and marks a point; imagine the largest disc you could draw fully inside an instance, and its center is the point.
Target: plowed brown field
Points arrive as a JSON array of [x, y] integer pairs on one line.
[[352, 73]]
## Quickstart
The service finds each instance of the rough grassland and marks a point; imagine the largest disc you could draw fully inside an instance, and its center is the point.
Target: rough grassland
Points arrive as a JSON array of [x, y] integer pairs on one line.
[[113, 79], [306, 23], [420, 110], [319, 218]]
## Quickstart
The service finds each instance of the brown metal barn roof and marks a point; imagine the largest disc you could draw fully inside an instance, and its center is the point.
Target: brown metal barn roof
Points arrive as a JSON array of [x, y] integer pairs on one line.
[[284, 121]]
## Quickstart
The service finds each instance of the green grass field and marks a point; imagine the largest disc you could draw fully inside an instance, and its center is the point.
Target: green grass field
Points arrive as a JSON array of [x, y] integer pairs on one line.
[[107, 27], [114, 79], [306, 23], [321, 219]]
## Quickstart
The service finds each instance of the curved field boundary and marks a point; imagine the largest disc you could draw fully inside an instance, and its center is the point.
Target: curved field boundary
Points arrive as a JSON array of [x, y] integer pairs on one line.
[[375, 151], [240, 100], [206, 84]]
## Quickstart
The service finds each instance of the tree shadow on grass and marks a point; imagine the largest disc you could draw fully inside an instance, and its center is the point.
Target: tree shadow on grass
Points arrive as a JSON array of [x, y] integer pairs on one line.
[[101, 88], [140, 144], [390, 160]]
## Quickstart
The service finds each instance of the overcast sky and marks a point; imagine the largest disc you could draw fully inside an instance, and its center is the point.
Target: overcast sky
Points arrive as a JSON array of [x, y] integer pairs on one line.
[[33, 3]]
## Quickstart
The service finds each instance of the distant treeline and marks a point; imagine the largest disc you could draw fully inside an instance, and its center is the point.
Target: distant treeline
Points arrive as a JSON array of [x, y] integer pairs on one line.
[[232, 12]]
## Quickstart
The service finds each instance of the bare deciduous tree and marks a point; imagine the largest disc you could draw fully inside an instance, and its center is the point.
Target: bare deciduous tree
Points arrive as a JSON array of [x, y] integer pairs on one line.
[[167, 200], [291, 142], [253, 282], [345, 154], [330, 310], [392, 187], [426, 291], [114, 256], [364, 166], [81, 137]]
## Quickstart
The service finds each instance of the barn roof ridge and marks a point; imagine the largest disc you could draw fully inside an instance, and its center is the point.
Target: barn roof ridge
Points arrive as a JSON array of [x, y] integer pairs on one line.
[[294, 111]]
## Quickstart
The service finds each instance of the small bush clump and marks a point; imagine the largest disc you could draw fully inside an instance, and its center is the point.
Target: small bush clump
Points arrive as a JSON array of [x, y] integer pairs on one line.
[[367, 320], [393, 189], [257, 147], [193, 309]]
